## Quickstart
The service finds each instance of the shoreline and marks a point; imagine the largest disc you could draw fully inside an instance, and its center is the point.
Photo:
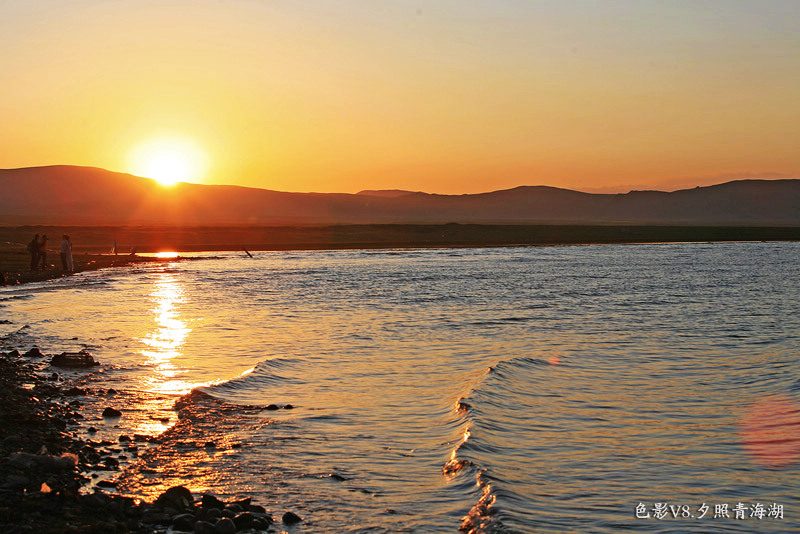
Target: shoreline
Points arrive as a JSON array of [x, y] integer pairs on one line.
[[17, 274], [49, 460], [92, 243]]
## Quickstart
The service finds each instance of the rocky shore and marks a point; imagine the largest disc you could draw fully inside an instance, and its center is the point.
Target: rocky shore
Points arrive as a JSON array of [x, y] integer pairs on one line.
[[53, 480]]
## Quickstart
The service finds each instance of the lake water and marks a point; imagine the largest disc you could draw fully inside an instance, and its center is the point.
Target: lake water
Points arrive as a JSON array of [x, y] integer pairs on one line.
[[533, 389]]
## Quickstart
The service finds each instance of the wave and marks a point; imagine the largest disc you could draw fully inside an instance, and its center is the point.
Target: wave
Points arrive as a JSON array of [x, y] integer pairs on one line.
[[472, 457], [265, 375]]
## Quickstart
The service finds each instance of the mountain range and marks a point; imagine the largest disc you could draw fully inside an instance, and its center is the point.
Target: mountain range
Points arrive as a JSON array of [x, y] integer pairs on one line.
[[71, 195]]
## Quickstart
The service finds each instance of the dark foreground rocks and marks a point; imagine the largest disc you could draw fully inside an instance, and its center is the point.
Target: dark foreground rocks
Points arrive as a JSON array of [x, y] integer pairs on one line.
[[43, 468], [74, 360]]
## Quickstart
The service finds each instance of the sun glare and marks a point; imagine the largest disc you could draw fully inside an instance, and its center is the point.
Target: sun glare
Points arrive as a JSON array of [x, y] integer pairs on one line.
[[168, 161]]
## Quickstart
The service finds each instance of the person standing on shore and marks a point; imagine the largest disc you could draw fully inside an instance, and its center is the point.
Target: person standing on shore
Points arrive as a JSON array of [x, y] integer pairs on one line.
[[33, 248], [66, 254], [43, 252], [70, 265]]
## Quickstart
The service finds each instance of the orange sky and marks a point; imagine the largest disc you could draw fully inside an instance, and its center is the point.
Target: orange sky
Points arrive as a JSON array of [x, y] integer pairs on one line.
[[450, 96]]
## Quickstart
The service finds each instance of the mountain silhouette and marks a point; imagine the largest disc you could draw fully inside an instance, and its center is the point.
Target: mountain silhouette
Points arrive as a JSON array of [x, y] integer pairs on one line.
[[70, 195]]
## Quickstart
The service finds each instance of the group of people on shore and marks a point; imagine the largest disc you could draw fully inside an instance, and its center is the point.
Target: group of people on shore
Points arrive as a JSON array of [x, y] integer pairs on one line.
[[38, 250]]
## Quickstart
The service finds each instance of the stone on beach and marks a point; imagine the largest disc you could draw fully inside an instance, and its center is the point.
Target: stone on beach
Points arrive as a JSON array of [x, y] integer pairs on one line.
[[225, 526], [210, 501], [111, 412], [34, 353], [243, 520], [184, 522], [74, 360], [291, 518], [177, 497], [203, 527]]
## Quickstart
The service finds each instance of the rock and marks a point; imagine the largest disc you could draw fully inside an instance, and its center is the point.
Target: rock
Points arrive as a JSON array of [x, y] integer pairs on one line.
[[17, 483], [244, 503], [34, 353], [210, 445], [291, 518], [12, 442], [91, 430], [75, 360], [153, 517], [111, 412], [111, 391], [13, 354], [74, 391], [210, 501], [111, 462], [184, 522], [243, 520], [288, 407], [256, 509], [225, 526], [235, 508], [203, 527], [177, 497], [213, 513], [123, 438], [272, 407], [107, 484], [43, 462]]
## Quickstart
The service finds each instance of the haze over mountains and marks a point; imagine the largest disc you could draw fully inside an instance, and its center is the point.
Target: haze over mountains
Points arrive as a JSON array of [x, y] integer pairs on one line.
[[69, 195]]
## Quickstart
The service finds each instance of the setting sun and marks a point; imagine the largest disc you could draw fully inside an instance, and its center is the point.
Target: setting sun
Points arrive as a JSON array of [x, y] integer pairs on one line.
[[168, 161]]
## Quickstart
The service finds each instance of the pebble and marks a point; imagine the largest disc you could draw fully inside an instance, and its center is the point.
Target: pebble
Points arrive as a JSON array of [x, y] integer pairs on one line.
[[184, 522], [235, 508], [243, 520], [225, 526], [111, 412], [177, 497], [291, 518], [34, 353], [203, 527], [76, 360], [211, 502]]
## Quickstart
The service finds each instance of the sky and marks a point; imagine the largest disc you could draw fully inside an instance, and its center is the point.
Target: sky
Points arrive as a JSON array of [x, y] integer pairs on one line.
[[447, 96]]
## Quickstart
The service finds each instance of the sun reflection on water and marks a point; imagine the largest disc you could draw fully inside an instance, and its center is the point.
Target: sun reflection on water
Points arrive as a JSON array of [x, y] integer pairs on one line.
[[164, 344]]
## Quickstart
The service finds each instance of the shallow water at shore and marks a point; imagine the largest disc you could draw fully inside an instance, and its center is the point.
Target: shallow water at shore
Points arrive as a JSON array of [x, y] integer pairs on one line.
[[526, 389]]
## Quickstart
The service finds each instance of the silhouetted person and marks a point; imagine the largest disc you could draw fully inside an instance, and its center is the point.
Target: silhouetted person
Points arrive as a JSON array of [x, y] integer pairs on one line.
[[66, 254], [43, 252], [33, 248]]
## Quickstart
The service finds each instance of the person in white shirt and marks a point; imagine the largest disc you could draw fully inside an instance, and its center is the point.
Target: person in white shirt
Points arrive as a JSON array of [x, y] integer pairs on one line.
[[66, 254]]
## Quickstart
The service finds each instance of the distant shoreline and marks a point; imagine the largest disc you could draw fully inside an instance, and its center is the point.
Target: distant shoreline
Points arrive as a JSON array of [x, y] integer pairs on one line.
[[92, 245]]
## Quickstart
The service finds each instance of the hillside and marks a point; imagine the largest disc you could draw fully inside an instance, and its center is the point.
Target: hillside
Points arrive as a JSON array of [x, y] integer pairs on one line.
[[68, 195]]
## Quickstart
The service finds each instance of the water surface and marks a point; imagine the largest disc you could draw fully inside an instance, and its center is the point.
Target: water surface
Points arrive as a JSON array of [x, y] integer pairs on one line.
[[536, 389]]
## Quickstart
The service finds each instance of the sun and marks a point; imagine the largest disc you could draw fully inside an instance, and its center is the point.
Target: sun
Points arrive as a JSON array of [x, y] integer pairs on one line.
[[168, 160]]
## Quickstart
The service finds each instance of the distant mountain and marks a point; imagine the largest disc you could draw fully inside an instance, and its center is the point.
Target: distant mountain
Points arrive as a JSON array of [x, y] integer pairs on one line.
[[389, 193], [68, 195]]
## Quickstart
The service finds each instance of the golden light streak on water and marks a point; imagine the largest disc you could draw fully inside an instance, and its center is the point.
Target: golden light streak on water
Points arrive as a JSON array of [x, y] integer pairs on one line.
[[165, 342]]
